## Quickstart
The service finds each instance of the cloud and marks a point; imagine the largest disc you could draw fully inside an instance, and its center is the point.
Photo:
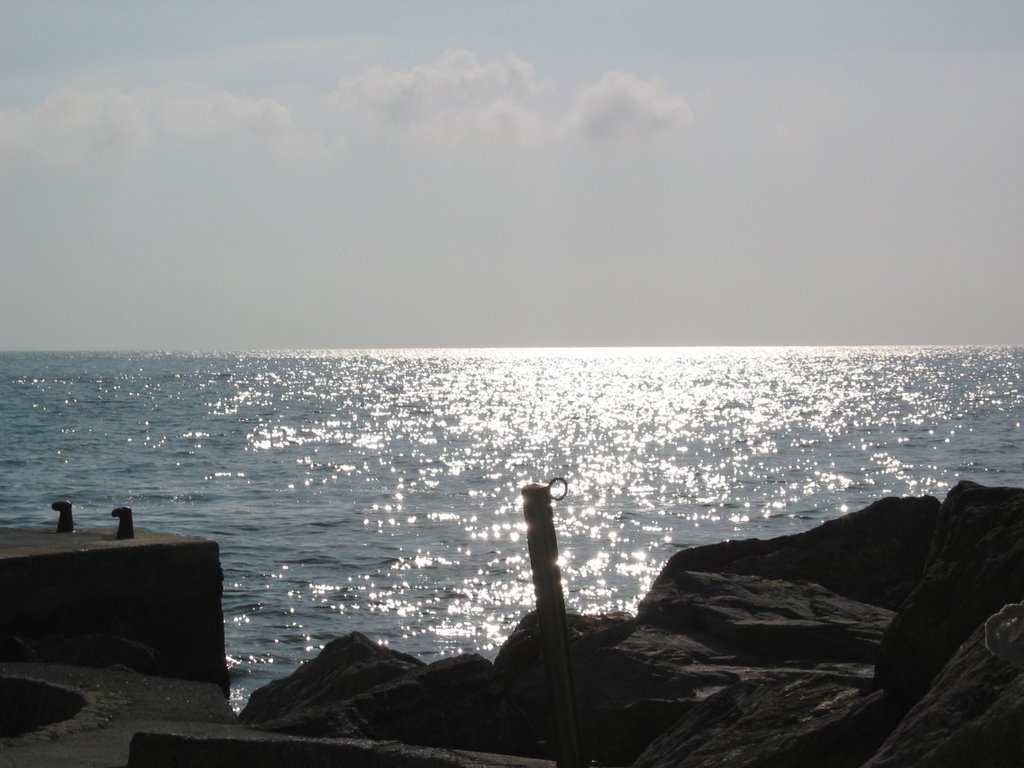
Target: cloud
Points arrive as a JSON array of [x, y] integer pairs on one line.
[[200, 112], [621, 106], [456, 96], [73, 125]]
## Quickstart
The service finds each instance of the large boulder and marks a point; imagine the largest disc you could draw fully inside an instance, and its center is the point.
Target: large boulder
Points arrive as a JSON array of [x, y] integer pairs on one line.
[[875, 555], [971, 715], [630, 684], [696, 634], [346, 667], [758, 619], [457, 703], [975, 567], [805, 723]]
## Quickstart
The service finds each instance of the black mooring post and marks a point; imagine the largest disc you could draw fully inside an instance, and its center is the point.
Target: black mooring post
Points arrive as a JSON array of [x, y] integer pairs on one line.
[[66, 522], [554, 632], [125, 528]]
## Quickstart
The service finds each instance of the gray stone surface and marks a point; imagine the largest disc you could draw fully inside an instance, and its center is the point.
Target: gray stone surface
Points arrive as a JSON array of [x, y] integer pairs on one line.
[[117, 703]]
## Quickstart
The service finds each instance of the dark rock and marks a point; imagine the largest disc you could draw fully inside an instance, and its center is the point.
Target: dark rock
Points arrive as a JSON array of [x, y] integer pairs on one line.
[[971, 715], [521, 651], [976, 565], [811, 722], [750, 653], [458, 703], [765, 619], [629, 688], [875, 555], [19, 649], [695, 634], [334, 721], [345, 668]]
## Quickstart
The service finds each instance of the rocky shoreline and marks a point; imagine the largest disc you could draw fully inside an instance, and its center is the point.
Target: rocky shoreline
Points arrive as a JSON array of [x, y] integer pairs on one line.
[[858, 644]]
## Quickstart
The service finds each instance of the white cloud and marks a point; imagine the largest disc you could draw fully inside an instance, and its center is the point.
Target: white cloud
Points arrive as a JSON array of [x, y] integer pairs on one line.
[[199, 112], [621, 106], [456, 96], [74, 125], [203, 112]]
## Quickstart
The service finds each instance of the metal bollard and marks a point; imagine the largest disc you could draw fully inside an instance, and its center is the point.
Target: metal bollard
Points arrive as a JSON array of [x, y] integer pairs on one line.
[[554, 632], [66, 522], [125, 529]]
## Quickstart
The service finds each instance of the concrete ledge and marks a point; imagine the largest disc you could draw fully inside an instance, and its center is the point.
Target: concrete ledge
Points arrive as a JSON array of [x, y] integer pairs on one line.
[[116, 704], [256, 749], [22, 542], [158, 589]]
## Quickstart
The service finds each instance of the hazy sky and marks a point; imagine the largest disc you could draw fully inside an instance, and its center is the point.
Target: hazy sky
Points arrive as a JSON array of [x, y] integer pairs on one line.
[[228, 175]]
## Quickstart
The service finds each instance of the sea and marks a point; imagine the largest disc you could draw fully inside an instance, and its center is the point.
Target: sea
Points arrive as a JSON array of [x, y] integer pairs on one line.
[[379, 490]]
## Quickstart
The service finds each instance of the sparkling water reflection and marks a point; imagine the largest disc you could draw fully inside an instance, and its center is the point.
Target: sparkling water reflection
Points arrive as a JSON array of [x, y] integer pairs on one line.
[[379, 491]]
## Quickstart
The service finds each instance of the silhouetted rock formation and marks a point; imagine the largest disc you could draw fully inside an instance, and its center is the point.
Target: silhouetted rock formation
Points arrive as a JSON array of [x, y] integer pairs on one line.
[[769, 626], [806, 723], [784, 653], [696, 634], [976, 566], [970, 716], [345, 668], [876, 555], [356, 689]]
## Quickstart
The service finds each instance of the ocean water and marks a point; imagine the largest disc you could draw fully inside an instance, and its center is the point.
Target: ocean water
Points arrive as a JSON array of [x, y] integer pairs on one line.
[[379, 490]]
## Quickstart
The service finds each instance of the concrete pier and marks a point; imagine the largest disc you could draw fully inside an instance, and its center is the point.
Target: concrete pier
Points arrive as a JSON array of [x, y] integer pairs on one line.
[[158, 589], [114, 705]]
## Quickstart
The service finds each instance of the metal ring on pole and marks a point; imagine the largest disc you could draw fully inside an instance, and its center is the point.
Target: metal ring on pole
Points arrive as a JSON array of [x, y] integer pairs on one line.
[[565, 488]]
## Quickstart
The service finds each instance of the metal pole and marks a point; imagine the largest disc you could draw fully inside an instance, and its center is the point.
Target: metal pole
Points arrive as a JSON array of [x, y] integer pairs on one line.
[[554, 632]]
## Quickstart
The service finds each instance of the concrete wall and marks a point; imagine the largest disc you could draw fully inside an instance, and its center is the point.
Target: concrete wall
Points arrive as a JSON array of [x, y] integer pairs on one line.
[[158, 589]]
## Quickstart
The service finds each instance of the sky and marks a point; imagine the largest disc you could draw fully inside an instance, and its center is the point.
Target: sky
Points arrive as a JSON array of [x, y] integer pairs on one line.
[[265, 175]]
